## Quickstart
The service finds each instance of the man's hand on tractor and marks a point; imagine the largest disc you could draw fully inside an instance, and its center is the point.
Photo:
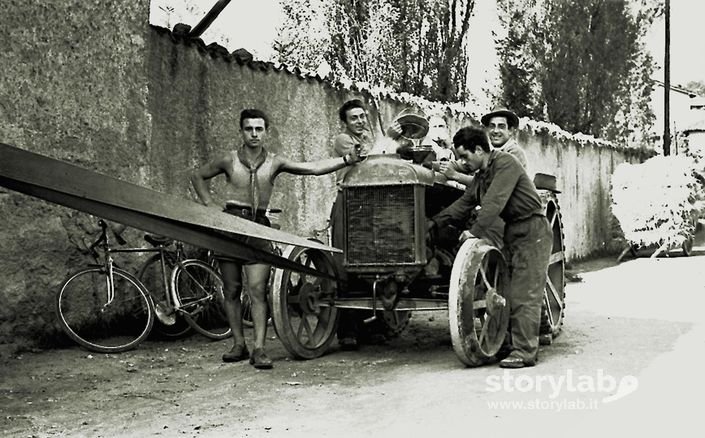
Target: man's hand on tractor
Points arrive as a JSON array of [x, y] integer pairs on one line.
[[354, 156]]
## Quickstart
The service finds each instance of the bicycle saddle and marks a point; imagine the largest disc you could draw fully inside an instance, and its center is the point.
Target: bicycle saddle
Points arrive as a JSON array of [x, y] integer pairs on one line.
[[157, 240]]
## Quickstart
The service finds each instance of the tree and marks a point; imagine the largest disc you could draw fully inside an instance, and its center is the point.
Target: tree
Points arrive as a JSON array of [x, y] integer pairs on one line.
[[415, 46], [519, 69], [444, 49], [302, 38], [581, 65]]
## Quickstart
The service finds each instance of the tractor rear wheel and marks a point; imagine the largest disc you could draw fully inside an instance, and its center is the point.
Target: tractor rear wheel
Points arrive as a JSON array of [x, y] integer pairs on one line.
[[303, 310], [553, 307]]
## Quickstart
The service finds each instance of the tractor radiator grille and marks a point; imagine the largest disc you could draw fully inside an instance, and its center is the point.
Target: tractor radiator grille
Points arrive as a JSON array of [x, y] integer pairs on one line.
[[380, 225]]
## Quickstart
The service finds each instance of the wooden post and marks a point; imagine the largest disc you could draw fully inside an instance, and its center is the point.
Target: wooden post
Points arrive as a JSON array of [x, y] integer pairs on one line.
[[206, 21]]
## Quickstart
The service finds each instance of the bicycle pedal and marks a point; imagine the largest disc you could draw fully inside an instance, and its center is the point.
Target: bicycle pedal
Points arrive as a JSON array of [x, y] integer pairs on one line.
[[163, 314]]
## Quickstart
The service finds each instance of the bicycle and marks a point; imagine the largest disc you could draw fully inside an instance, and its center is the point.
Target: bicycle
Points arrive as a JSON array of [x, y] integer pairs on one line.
[[154, 276], [108, 310], [174, 321]]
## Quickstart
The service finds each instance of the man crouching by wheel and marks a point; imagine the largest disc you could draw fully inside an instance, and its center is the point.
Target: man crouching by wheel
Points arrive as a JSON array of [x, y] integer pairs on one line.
[[502, 188], [250, 171]]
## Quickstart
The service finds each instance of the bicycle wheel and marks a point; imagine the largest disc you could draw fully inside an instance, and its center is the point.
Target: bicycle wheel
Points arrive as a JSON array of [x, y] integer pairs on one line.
[[152, 277], [198, 296], [245, 301], [246, 305], [90, 317]]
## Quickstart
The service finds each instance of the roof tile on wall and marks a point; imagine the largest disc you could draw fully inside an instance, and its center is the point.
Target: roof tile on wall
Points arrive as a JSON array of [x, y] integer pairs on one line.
[[243, 57]]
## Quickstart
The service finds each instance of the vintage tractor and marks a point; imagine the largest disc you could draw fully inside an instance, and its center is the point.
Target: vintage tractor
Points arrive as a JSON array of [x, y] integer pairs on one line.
[[390, 268]]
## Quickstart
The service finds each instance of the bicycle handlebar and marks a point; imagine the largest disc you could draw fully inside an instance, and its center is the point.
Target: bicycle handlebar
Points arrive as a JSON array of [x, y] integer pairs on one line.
[[103, 237]]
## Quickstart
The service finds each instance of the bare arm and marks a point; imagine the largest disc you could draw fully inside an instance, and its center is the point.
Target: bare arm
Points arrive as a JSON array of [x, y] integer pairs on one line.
[[458, 211], [200, 176], [320, 167], [453, 170]]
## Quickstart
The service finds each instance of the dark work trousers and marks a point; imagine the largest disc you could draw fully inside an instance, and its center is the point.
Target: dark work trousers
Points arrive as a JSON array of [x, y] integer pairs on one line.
[[528, 245], [350, 321]]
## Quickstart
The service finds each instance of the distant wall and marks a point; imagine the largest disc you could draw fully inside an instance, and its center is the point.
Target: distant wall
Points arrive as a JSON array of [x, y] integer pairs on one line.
[[583, 172], [93, 84]]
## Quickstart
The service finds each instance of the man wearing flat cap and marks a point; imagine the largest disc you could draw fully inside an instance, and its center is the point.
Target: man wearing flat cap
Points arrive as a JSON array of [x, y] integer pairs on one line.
[[501, 125]]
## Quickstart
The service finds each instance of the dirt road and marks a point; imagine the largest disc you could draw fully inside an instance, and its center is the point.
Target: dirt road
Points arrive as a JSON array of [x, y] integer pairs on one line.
[[629, 360]]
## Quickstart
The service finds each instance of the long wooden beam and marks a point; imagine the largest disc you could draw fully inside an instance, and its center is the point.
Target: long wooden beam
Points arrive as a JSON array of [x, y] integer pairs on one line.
[[65, 184]]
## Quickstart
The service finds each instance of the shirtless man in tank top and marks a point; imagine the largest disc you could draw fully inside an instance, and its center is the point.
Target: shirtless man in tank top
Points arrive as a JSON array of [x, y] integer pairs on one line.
[[250, 172]]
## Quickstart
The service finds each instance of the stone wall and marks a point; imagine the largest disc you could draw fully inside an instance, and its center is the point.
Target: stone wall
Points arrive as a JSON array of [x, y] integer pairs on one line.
[[73, 87], [92, 83]]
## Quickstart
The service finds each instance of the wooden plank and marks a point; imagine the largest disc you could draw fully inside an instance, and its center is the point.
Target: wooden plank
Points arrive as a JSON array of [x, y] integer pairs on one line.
[[41, 171], [196, 235]]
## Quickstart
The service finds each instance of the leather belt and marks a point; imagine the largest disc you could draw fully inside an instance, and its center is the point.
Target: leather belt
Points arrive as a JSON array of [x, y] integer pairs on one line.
[[247, 210]]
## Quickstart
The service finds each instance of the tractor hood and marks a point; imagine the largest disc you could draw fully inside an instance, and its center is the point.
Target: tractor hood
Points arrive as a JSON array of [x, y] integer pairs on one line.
[[389, 169]]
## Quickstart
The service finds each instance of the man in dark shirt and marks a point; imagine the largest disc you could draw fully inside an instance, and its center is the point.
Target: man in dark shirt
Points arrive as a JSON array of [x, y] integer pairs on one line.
[[502, 188]]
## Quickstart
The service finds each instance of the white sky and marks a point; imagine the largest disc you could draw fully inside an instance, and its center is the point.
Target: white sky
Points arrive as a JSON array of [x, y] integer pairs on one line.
[[252, 24], [687, 42]]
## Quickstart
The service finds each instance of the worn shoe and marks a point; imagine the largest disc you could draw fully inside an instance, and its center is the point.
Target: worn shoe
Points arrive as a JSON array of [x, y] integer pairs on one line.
[[260, 360], [514, 361], [238, 353], [348, 343]]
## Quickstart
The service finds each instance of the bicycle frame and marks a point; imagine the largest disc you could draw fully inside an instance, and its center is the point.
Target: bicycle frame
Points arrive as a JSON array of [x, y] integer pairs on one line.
[[163, 254], [103, 243]]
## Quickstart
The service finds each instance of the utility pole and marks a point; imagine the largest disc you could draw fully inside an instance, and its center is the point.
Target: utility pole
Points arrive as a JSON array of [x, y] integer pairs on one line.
[[667, 84]]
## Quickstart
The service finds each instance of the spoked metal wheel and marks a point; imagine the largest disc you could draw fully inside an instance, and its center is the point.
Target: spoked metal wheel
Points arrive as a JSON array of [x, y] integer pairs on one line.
[[553, 307], [478, 312], [198, 295], [305, 317]]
